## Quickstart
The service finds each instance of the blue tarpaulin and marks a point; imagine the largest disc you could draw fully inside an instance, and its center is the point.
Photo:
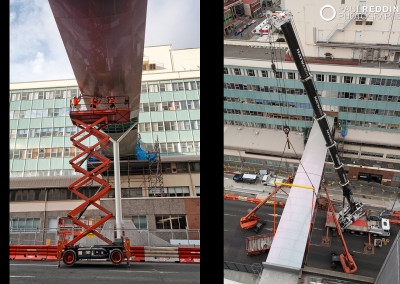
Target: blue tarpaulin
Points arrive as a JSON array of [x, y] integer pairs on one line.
[[142, 155]]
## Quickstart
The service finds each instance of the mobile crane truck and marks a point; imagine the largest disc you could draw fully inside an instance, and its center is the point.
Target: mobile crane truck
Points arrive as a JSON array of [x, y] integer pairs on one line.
[[354, 210]]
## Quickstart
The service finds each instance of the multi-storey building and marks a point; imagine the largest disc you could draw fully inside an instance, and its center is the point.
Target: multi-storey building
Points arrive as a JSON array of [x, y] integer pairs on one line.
[[364, 101], [40, 150]]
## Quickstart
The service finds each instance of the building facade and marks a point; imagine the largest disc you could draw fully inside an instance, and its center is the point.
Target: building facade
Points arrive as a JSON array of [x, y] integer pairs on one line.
[[364, 104], [40, 150]]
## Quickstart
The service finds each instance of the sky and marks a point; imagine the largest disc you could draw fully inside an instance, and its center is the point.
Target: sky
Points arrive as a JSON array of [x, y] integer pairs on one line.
[[37, 52]]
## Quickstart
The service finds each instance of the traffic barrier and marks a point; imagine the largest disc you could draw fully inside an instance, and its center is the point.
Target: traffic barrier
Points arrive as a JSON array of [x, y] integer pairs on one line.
[[189, 255], [28, 252], [253, 200], [161, 254], [138, 253]]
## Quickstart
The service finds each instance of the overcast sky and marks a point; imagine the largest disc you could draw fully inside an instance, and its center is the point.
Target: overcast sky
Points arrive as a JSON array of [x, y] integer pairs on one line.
[[37, 52]]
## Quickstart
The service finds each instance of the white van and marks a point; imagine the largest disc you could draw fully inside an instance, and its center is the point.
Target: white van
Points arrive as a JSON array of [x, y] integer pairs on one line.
[[265, 179]]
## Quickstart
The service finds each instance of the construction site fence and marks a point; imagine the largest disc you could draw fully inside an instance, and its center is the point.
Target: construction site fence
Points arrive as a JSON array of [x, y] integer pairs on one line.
[[138, 237], [138, 253], [255, 268]]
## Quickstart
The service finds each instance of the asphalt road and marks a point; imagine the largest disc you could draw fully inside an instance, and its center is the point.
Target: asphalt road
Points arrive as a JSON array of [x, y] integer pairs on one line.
[[319, 256], [103, 272], [235, 237]]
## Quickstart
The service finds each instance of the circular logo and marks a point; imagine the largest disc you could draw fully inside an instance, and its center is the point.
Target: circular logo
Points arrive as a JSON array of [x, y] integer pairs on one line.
[[323, 8]]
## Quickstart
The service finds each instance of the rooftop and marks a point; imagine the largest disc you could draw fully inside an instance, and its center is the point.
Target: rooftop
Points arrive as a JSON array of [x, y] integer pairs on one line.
[[256, 50]]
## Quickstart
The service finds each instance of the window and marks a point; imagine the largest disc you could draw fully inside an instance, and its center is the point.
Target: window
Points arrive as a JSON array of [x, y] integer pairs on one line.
[[320, 77], [362, 80], [177, 86], [358, 23], [291, 75], [368, 23], [153, 88], [237, 71], [144, 88], [24, 224], [197, 190], [167, 222], [370, 154], [279, 74], [264, 73], [131, 192], [226, 71], [250, 72], [140, 222], [347, 79]]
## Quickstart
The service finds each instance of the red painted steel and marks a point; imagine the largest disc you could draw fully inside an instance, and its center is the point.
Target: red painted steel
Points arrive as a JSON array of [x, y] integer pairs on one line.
[[104, 41], [50, 252], [89, 130]]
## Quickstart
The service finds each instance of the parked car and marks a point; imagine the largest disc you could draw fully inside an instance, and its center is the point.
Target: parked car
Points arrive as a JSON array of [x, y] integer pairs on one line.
[[244, 27], [253, 22]]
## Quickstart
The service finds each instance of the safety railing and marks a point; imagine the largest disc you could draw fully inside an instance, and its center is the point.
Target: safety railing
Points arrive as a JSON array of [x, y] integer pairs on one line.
[[138, 237], [87, 103]]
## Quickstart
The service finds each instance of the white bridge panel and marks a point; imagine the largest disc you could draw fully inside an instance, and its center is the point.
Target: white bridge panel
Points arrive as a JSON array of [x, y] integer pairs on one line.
[[291, 236]]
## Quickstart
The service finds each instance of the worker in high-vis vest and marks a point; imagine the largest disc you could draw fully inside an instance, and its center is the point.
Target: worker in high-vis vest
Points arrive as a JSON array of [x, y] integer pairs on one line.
[[94, 102], [111, 102], [76, 101]]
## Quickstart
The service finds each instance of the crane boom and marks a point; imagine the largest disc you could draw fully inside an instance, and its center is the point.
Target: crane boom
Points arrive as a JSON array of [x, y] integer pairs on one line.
[[282, 20]]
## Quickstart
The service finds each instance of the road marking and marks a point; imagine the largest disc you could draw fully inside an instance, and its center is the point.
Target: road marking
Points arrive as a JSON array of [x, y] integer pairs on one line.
[[229, 215], [32, 264], [372, 195], [21, 276]]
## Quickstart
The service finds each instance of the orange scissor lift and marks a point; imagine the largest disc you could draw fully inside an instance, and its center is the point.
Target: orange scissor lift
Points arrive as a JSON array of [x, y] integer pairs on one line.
[[91, 121]]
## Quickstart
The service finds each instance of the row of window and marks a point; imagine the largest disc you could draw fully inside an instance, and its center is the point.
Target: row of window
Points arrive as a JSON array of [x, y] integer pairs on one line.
[[171, 105], [45, 153], [301, 129], [262, 125], [169, 125], [56, 172], [369, 97], [70, 93], [167, 168], [372, 154], [170, 87], [317, 77], [270, 115], [163, 222], [43, 132], [267, 89], [39, 113], [296, 91], [268, 102], [54, 194], [384, 112], [43, 95]]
